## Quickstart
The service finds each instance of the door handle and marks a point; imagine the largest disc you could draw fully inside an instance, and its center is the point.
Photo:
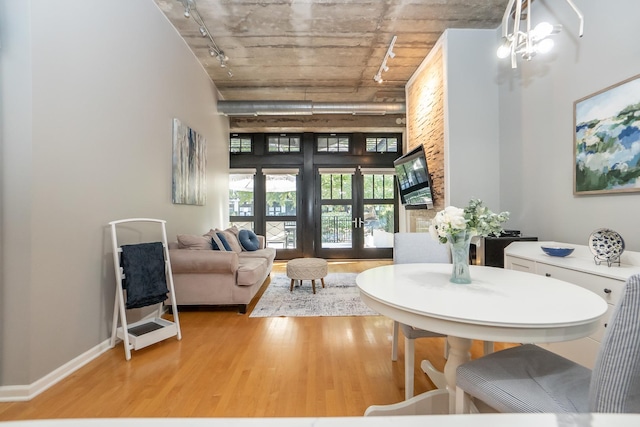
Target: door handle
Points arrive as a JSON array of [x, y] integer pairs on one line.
[[357, 223]]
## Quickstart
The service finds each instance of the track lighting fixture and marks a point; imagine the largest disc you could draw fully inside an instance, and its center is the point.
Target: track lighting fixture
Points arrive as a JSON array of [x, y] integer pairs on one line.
[[532, 41], [190, 9], [384, 67]]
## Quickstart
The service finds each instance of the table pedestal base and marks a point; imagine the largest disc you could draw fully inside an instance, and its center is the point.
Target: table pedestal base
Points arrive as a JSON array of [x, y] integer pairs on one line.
[[441, 401], [434, 402]]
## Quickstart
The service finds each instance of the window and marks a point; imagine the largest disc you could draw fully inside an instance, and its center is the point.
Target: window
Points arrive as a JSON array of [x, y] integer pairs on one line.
[[283, 143], [333, 144], [281, 207], [382, 145], [240, 144], [240, 194]]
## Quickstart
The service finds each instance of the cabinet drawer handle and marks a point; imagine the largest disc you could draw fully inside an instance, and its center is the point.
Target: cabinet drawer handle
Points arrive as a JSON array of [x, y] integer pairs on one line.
[[547, 274], [607, 291]]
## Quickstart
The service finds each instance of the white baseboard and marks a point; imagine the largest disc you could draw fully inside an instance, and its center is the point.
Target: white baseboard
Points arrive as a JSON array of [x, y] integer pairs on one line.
[[20, 393]]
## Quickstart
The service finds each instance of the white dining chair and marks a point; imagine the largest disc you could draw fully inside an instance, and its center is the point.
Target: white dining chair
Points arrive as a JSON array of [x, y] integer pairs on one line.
[[416, 248], [529, 378]]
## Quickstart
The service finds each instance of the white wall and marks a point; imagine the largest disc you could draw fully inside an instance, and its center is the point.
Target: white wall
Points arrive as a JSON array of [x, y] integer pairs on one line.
[[536, 122], [104, 82], [471, 118]]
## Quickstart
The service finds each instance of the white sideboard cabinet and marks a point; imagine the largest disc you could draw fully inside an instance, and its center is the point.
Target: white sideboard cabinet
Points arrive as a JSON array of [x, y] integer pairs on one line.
[[578, 268]]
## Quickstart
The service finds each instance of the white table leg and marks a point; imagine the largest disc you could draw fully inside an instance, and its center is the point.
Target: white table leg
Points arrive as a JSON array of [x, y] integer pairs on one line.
[[458, 354]]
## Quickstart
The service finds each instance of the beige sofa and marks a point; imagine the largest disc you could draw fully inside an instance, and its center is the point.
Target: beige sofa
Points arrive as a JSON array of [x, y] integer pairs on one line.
[[206, 277]]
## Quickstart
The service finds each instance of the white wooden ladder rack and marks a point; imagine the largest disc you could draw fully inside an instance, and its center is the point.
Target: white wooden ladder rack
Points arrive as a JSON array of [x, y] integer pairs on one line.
[[149, 330]]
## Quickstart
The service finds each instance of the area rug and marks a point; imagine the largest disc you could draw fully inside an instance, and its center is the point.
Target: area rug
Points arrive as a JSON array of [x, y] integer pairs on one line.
[[339, 297]]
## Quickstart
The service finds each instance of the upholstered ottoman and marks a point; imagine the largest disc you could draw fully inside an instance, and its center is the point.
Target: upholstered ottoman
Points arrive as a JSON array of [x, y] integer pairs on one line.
[[307, 269]]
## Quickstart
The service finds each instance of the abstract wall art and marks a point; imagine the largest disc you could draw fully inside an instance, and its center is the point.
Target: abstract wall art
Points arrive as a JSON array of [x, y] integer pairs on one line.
[[607, 140], [189, 166]]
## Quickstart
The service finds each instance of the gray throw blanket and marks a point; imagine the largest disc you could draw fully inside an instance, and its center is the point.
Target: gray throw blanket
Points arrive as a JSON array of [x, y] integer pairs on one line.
[[145, 279]]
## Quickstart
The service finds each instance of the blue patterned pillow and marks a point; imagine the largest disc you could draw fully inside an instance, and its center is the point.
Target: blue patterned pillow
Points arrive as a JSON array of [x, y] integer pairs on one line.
[[219, 242], [248, 240]]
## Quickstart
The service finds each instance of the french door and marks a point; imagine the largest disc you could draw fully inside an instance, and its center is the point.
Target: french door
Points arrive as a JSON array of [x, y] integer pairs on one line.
[[355, 213]]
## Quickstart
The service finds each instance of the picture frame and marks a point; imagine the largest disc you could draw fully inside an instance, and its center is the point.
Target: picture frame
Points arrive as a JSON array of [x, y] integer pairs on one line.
[[607, 140], [189, 160]]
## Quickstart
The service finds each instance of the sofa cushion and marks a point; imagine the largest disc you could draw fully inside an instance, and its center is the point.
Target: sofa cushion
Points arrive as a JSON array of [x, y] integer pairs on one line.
[[248, 240], [219, 242], [266, 253], [188, 241], [252, 270]]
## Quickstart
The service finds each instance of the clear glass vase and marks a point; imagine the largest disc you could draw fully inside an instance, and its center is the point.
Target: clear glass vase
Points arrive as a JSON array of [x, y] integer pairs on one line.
[[460, 257]]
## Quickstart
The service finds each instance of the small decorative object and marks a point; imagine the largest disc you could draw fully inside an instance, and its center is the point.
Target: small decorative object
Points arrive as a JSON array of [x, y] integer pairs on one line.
[[606, 245], [457, 226], [557, 251], [607, 135]]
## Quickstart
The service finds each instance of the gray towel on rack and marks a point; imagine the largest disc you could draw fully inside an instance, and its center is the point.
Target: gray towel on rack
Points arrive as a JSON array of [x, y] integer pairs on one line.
[[144, 270]]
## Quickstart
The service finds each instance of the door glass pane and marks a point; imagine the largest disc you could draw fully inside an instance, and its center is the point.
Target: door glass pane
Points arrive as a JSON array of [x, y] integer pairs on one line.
[[281, 234], [336, 186], [378, 186], [281, 195], [378, 225], [336, 226], [240, 195]]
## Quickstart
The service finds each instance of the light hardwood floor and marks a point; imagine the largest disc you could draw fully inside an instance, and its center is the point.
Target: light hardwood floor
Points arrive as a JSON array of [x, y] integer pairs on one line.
[[231, 365]]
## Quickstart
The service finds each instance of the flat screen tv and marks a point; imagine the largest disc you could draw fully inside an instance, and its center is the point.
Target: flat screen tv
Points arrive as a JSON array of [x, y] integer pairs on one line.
[[414, 181]]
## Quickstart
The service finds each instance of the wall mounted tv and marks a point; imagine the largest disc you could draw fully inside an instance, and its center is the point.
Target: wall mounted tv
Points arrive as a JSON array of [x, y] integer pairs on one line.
[[414, 181]]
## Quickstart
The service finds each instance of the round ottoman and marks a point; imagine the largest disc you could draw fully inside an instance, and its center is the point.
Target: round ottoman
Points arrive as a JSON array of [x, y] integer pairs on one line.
[[306, 269]]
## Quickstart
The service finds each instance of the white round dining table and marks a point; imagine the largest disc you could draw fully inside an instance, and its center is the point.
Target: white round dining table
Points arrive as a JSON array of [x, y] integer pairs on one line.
[[498, 305]]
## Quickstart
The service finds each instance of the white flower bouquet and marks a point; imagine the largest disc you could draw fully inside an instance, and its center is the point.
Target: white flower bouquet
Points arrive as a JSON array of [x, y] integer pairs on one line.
[[476, 219]]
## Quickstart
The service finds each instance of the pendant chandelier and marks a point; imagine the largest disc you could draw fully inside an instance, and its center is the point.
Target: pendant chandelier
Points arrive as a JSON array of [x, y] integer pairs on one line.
[[529, 41]]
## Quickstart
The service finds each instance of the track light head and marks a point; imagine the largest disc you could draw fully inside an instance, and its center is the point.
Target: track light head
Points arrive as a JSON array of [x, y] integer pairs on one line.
[[215, 52]]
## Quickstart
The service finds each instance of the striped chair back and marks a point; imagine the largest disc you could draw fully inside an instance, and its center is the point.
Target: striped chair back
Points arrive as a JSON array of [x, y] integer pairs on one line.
[[615, 381]]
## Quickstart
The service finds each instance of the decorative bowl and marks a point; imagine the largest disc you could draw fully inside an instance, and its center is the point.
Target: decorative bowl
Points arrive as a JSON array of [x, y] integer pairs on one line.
[[556, 250]]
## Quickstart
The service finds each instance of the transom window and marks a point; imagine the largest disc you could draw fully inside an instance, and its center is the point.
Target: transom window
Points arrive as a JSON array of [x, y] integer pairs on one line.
[[240, 144], [382, 145], [283, 143], [333, 144]]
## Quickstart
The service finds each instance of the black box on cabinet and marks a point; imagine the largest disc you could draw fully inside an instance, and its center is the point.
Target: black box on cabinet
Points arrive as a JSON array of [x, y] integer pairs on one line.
[[493, 249]]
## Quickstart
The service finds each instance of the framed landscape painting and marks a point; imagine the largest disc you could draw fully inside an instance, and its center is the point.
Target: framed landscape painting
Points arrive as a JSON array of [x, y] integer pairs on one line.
[[189, 166], [607, 140]]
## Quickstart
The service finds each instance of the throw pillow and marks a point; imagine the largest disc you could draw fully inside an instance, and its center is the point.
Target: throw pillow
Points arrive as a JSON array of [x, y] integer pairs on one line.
[[219, 243], [188, 241], [231, 234], [248, 240]]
